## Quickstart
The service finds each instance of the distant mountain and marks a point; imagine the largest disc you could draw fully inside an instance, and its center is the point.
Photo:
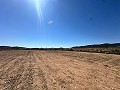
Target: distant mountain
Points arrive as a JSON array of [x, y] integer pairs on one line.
[[11, 48], [106, 45], [24, 48]]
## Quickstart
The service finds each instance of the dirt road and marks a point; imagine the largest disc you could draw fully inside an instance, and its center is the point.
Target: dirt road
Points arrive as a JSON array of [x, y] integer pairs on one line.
[[57, 70]]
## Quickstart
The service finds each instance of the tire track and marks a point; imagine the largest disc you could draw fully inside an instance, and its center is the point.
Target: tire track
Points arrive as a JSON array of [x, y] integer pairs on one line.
[[40, 82]]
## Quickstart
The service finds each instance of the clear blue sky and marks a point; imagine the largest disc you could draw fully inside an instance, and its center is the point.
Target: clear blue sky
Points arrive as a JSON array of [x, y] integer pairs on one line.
[[59, 23]]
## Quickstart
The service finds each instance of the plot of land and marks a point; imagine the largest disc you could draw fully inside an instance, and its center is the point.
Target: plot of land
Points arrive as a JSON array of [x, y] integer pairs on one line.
[[58, 70]]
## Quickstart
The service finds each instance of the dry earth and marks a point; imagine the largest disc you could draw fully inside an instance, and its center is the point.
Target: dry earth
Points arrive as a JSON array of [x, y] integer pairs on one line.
[[58, 70]]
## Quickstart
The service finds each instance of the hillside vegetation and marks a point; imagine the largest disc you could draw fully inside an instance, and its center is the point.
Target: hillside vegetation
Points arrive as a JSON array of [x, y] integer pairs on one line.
[[96, 48], [99, 48]]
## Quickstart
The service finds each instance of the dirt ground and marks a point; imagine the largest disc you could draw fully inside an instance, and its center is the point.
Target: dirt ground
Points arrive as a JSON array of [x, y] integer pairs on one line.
[[58, 70]]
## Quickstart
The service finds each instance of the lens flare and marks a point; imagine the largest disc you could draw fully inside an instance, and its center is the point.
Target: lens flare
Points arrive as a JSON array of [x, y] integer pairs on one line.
[[38, 7], [38, 4]]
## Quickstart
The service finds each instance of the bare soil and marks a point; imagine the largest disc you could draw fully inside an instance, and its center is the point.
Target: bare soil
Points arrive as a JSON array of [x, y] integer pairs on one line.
[[58, 70]]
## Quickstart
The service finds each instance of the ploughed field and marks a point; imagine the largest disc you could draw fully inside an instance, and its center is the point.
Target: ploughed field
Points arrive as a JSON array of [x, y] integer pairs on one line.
[[58, 70]]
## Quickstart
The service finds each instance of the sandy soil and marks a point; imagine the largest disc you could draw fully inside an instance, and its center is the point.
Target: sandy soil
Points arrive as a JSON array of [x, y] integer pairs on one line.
[[58, 70]]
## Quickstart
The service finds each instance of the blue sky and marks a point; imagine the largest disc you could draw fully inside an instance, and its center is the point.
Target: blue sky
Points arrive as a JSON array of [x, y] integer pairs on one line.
[[59, 23]]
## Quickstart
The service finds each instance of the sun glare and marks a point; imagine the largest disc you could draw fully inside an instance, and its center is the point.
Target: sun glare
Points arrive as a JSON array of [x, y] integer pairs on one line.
[[38, 6]]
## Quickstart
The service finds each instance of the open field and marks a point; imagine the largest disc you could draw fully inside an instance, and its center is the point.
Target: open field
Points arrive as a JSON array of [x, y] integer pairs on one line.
[[58, 70]]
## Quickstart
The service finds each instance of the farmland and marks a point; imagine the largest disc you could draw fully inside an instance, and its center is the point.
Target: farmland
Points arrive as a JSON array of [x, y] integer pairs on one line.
[[58, 70]]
